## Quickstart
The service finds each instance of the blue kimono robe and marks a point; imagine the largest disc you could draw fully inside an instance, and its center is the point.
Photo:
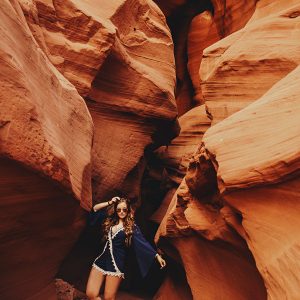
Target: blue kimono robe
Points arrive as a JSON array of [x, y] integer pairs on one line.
[[111, 260]]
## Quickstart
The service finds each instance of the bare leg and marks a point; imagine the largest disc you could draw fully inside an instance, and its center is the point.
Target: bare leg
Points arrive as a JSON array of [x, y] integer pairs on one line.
[[94, 283], [111, 287]]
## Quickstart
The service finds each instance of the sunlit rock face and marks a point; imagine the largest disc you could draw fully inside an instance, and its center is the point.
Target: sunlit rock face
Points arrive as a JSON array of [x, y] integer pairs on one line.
[[210, 250], [39, 225], [44, 123], [45, 147], [242, 186], [237, 204], [243, 66], [119, 55], [259, 179], [207, 28], [196, 25]]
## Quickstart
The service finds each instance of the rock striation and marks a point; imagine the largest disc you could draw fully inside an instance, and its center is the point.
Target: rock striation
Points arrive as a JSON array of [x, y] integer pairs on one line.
[[238, 201], [196, 25], [44, 123], [45, 146], [259, 180], [176, 156], [120, 58], [243, 66]]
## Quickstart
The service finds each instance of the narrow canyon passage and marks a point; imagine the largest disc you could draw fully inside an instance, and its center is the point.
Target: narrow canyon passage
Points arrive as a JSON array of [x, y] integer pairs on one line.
[[189, 108]]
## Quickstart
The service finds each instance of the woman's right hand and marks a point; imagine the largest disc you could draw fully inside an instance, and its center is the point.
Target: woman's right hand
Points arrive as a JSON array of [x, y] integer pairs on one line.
[[114, 199]]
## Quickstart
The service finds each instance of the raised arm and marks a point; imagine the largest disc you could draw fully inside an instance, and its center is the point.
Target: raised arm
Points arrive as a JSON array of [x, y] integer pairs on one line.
[[97, 214], [104, 204]]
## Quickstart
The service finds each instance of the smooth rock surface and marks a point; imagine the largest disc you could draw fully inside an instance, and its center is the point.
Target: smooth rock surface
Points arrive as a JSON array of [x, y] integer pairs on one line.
[[44, 123], [119, 55], [258, 175], [39, 225], [244, 147], [240, 68]]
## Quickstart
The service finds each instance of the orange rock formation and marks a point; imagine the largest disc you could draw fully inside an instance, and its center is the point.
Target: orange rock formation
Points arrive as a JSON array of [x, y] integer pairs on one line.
[[120, 58], [88, 93], [45, 124], [241, 183]]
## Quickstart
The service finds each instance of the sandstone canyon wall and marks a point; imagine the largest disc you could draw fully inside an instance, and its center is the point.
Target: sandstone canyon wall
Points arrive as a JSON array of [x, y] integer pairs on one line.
[[90, 91], [196, 25], [119, 56], [241, 183], [84, 90], [47, 128]]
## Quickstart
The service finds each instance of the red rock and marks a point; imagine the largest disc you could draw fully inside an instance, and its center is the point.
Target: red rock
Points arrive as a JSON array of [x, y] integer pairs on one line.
[[120, 57], [174, 287], [210, 251], [176, 156], [258, 176], [244, 147], [243, 66], [206, 29], [39, 225], [215, 271], [45, 124], [270, 218], [195, 26]]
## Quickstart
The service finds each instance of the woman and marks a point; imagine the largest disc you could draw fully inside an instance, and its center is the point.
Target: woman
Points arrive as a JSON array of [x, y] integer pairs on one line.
[[120, 233]]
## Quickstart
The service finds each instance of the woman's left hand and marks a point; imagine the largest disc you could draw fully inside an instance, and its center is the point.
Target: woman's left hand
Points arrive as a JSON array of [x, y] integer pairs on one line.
[[161, 261]]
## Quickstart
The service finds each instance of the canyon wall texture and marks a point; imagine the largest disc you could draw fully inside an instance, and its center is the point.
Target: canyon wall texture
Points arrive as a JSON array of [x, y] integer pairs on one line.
[[119, 56], [84, 90], [45, 124], [45, 145], [240, 189], [196, 25], [90, 93]]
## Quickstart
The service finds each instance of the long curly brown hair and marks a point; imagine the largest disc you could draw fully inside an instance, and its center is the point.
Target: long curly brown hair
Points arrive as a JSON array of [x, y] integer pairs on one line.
[[113, 219]]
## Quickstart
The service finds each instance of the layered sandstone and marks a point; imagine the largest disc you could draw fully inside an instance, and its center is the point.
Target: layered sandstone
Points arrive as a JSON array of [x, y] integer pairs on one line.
[[257, 201], [39, 225], [195, 26], [263, 188], [242, 67], [176, 156], [238, 200], [45, 146], [196, 228], [120, 58], [207, 28], [45, 124]]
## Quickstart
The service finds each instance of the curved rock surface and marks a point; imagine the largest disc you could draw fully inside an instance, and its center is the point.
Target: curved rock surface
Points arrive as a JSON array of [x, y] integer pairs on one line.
[[45, 146], [196, 25], [44, 123], [120, 57], [39, 225], [259, 179], [175, 157], [243, 66], [74, 35], [240, 190], [210, 251], [207, 28], [244, 147], [132, 98]]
